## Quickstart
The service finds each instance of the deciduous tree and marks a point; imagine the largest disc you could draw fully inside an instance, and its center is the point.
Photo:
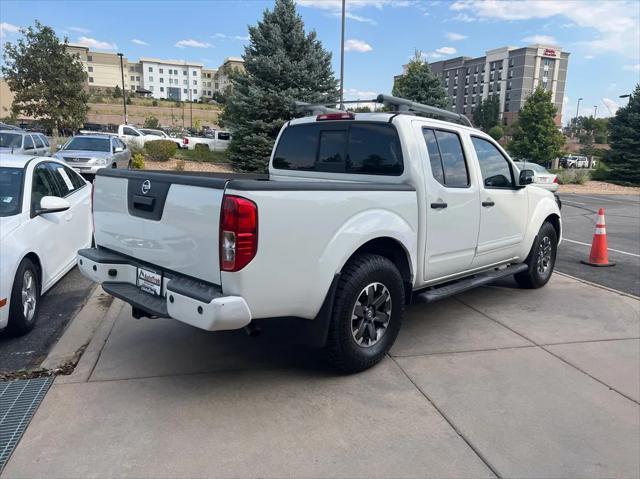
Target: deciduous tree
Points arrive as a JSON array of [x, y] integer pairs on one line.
[[47, 80], [419, 84]]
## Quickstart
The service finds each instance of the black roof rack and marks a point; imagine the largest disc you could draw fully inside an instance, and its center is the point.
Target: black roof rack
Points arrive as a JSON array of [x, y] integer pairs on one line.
[[399, 105]]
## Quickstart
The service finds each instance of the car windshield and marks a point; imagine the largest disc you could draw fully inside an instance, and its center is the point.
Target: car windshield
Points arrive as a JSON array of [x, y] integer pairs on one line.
[[10, 140], [531, 166], [88, 144], [10, 191]]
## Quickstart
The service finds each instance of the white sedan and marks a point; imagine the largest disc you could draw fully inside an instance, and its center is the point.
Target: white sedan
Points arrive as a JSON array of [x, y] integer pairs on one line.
[[45, 218], [542, 178]]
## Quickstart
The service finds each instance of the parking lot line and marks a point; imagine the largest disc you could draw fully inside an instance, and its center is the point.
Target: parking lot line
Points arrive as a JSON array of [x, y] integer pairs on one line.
[[604, 199], [609, 249]]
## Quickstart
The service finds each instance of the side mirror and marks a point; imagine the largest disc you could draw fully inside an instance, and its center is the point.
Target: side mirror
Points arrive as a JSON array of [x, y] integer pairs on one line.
[[52, 204], [58, 147], [526, 177]]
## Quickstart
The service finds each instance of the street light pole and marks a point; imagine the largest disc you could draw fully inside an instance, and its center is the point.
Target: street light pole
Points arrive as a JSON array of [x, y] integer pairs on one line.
[[595, 111], [342, 58], [577, 111], [124, 91]]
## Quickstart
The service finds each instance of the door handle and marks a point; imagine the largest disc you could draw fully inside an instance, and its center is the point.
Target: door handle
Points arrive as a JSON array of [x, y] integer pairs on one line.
[[488, 203], [439, 206]]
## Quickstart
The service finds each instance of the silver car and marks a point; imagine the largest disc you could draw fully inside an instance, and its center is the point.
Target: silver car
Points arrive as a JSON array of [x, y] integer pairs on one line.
[[542, 177], [20, 142], [88, 153]]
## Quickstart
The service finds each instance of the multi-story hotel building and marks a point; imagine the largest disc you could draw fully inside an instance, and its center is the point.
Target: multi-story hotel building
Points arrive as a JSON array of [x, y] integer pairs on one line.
[[508, 72]]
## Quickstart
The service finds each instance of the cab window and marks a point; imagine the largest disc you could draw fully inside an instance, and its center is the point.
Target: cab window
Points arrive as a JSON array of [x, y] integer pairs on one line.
[[495, 168], [446, 156], [129, 131]]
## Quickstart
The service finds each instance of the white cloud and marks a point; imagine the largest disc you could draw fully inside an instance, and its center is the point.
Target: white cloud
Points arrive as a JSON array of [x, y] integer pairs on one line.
[[353, 45], [632, 68], [355, 94], [8, 28], [455, 37], [543, 39], [96, 44], [192, 44], [139, 42], [589, 57], [611, 105], [446, 51], [614, 22], [334, 7], [224, 36], [79, 29]]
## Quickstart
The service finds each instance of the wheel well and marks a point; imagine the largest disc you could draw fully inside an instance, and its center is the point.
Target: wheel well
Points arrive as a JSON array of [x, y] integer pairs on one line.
[[35, 260], [394, 252], [555, 222]]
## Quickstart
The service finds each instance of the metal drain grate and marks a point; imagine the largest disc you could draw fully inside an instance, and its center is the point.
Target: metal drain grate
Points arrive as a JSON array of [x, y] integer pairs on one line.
[[18, 402]]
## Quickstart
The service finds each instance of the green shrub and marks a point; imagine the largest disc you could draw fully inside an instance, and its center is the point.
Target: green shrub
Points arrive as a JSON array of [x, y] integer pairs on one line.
[[200, 151], [154, 103], [496, 132], [160, 150], [573, 177], [601, 173], [137, 161], [179, 165], [581, 177], [151, 121]]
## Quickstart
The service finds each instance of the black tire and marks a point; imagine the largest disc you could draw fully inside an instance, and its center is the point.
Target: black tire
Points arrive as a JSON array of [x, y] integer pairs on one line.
[[540, 265], [20, 324], [114, 166], [342, 348]]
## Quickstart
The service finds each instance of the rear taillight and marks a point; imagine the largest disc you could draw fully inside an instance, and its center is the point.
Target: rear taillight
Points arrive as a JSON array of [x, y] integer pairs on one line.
[[555, 179], [185, 141], [238, 232]]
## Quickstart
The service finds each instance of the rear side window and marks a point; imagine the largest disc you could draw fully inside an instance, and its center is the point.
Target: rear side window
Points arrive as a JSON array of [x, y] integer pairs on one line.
[[340, 147], [44, 140], [38, 141], [28, 142], [446, 156]]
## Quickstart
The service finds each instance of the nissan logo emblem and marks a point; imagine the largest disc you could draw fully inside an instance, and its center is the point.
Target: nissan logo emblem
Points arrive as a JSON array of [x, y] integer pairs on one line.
[[146, 186]]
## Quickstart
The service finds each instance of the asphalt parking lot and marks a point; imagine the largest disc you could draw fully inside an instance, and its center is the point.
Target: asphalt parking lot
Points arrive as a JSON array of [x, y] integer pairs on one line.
[[57, 308], [496, 382], [622, 215]]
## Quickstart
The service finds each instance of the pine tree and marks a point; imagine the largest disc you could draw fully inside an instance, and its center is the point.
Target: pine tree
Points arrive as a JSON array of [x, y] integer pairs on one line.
[[536, 135], [47, 80], [487, 113], [282, 64], [624, 138], [419, 84]]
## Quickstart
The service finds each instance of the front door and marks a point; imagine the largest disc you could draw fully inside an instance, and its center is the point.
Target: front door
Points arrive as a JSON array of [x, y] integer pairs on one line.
[[452, 210], [503, 215]]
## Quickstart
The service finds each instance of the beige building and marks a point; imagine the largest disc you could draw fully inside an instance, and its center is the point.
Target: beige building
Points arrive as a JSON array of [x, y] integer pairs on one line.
[[103, 68], [217, 79]]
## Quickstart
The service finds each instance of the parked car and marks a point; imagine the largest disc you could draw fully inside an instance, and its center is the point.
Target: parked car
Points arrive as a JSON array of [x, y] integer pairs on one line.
[[89, 153], [45, 217], [133, 136], [574, 162], [360, 214], [19, 142], [215, 140], [542, 177], [161, 135]]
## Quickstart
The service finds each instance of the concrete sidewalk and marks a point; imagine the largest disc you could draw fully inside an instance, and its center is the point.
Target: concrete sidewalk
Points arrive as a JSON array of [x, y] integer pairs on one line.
[[496, 382]]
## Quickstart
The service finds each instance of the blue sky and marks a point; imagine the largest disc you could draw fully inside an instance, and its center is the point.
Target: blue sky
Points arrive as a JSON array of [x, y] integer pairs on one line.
[[603, 37]]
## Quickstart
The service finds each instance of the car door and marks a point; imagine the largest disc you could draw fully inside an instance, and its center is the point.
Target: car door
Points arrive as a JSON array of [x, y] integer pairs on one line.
[[504, 205], [48, 231], [123, 156], [78, 217], [452, 211], [40, 148], [47, 146], [28, 146]]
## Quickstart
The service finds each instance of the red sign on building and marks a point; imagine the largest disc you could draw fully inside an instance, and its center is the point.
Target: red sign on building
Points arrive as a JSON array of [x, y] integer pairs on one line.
[[548, 52]]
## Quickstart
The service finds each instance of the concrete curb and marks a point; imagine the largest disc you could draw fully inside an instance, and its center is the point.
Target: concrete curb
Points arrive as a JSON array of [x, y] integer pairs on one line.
[[606, 288], [80, 330], [90, 357]]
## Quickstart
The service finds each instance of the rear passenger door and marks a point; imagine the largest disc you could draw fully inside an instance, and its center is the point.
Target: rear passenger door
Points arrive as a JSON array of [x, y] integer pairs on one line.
[[504, 208], [452, 208]]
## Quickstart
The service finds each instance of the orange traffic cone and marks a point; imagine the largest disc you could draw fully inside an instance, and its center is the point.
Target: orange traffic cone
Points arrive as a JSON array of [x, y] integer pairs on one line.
[[599, 255]]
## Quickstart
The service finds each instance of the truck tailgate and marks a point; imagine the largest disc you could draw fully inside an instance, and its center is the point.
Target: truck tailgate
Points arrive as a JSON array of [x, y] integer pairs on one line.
[[129, 206]]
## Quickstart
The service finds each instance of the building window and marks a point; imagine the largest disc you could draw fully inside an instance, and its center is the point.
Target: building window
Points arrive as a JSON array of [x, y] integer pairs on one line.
[[491, 87], [500, 65], [89, 58], [90, 79], [160, 70], [185, 82], [132, 69], [150, 87], [184, 72], [184, 90], [506, 106], [133, 88], [150, 79], [170, 81], [465, 100], [151, 69], [90, 69], [509, 85], [466, 91], [510, 62], [499, 76], [161, 88], [455, 92], [466, 82], [215, 86], [447, 74], [194, 73], [132, 78], [491, 77], [195, 82], [468, 70], [161, 80], [137, 78], [477, 67], [474, 90], [195, 92], [498, 87], [510, 73]]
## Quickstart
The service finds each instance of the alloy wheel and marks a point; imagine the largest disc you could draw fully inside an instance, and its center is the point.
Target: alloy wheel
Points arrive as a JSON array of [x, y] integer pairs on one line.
[[371, 314]]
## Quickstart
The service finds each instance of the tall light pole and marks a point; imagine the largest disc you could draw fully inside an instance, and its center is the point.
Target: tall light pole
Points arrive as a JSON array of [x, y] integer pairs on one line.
[[342, 58], [625, 96], [124, 91], [577, 111], [595, 111]]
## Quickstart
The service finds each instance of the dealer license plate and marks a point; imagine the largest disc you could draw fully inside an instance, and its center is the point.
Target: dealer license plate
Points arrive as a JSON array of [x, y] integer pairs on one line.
[[150, 281]]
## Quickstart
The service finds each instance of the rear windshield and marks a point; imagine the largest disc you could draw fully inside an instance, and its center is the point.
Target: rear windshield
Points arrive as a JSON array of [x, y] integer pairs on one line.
[[10, 191], [10, 140], [340, 147], [88, 144]]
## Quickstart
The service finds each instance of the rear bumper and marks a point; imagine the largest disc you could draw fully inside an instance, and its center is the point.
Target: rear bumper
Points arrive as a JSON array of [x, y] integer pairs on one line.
[[196, 303]]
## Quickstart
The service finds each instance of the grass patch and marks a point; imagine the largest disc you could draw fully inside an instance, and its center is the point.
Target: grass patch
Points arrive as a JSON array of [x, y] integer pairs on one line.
[[203, 156]]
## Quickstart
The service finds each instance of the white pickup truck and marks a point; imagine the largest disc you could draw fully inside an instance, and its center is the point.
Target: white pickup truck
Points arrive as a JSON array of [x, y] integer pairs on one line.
[[360, 215], [216, 140]]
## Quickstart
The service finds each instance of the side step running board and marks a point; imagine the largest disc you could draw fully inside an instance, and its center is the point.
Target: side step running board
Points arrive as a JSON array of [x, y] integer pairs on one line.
[[440, 292]]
